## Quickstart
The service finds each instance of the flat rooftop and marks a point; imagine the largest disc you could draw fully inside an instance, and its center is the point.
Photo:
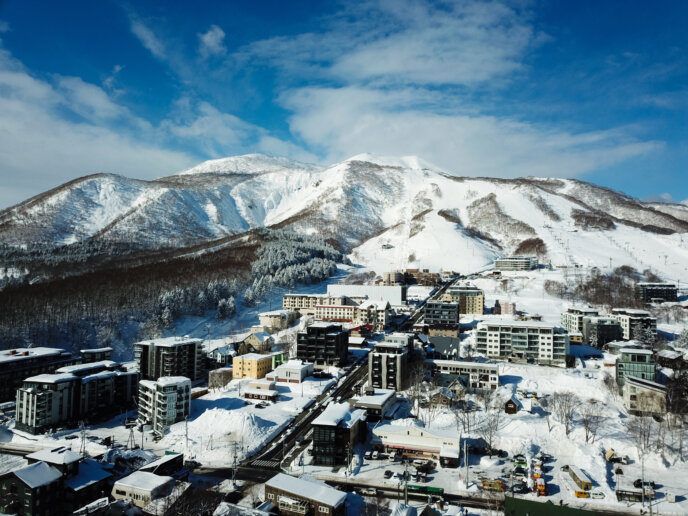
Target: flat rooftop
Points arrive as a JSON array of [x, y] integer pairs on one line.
[[170, 342]]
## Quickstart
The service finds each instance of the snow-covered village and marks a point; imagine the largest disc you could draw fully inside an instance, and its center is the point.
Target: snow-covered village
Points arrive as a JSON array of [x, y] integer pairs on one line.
[[410, 258]]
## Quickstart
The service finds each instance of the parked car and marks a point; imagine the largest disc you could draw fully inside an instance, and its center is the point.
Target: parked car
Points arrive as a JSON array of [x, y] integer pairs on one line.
[[375, 455], [388, 474], [639, 483], [368, 455]]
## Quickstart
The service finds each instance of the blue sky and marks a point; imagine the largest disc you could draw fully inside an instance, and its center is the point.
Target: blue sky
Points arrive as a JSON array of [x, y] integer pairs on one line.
[[586, 89]]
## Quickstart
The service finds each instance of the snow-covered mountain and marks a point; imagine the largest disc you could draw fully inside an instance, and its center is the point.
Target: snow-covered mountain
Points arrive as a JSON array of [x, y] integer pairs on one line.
[[388, 212]]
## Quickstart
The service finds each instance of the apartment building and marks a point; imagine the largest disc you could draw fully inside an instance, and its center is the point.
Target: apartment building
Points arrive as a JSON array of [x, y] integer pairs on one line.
[[276, 320], [376, 403], [636, 362], [255, 365], [19, 363], [172, 356], [374, 313], [441, 313], [644, 397], [34, 490], [336, 431], [96, 354], [523, 340], [74, 393], [474, 375], [656, 292], [305, 303], [572, 319], [601, 330], [502, 307], [634, 322], [304, 496], [470, 298], [164, 402], [323, 344], [516, 263], [389, 362]]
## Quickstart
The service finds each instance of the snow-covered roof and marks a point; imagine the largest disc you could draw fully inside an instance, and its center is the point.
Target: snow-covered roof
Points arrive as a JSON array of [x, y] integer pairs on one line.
[[636, 351], [275, 313], [357, 340], [80, 368], [669, 354], [261, 392], [253, 356], [444, 392], [90, 472], [452, 453], [262, 336], [144, 480], [630, 311], [640, 382], [96, 350], [380, 397], [517, 324], [321, 324], [9, 355], [52, 378], [172, 380], [294, 364], [336, 413], [463, 363], [37, 474], [308, 488], [59, 455], [101, 375], [171, 341]]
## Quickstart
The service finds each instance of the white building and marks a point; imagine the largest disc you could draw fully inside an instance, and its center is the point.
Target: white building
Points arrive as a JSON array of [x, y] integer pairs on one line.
[[414, 440], [476, 375], [306, 303], [164, 402], [643, 397], [631, 320], [395, 296], [516, 263], [293, 371], [276, 320], [572, 319], [523, 340], [142, 487]]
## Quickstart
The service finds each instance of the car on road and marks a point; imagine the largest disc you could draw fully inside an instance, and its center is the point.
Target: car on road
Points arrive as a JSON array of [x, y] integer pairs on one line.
[[388, 474]]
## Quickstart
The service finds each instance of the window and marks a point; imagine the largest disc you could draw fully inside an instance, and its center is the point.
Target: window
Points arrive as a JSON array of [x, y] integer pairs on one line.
[[271, 496], [323, 509]]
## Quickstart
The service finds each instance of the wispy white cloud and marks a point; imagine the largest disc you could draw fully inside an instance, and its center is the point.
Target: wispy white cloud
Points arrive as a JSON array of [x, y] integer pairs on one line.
[[4, 26], [211, 43], [346, 121], [148, 38]]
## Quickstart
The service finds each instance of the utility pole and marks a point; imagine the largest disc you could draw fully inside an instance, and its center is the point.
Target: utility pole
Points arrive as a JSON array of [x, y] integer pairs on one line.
[[465, 460], [186, 431]]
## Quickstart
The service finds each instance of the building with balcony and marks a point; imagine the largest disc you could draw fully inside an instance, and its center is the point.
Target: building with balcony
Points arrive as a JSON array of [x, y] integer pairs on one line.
[[74, 393], [34, 490], [323, 344], [476, 376], [441, 313], [171, 356], [530, 341], [516, 263], [656, 292], [96, 354], [634, 322], [304, 496], [276, 320], [305, 303], [572, 319], [19, 363], [502, 307], [639, 363], [470, 298], [389, 362], [601, 330], [164, 402], [336, 431]]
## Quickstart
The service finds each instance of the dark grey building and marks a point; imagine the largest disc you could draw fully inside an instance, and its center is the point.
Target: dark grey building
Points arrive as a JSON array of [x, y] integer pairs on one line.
[[656, 292], [335, 433], [323, 344], [601, 330], [171, 356], [389, 362], [19, 363], [441, 313], [34, 490]]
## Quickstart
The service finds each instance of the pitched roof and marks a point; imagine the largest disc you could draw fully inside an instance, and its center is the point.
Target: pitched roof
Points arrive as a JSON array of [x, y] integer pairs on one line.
[[59, 455], [37, 475], [309, 488]]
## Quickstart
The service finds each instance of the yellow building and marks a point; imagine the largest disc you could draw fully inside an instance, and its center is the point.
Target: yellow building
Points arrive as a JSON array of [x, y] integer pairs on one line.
[[255, 365], [470, 298]]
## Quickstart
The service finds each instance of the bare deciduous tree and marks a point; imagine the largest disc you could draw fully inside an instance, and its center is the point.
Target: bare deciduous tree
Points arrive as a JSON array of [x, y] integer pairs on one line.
[[640, 430], [564, 407], [491, 422], [591, 417]]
